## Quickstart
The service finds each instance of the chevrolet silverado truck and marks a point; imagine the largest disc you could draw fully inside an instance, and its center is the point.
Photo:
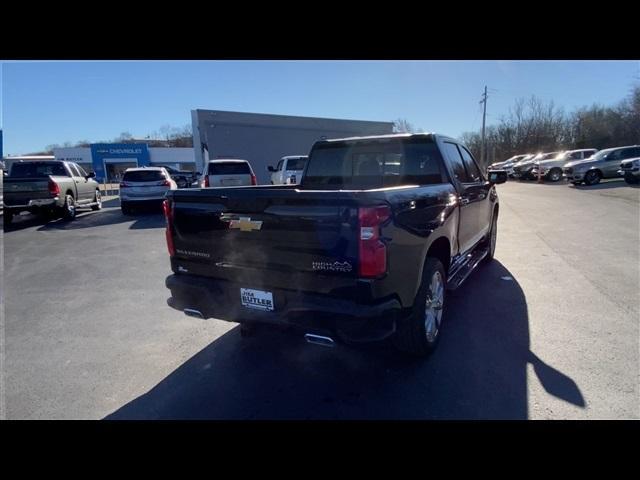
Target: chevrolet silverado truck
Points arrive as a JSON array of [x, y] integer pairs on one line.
[[364, 248], [49, 187]]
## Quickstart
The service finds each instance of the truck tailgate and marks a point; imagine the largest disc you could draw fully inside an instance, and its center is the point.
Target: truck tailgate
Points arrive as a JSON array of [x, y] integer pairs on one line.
[[275, 236], [18, 191]]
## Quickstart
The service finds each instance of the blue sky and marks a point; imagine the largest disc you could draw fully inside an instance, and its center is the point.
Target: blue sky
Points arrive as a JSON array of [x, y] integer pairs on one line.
[[52, 102]]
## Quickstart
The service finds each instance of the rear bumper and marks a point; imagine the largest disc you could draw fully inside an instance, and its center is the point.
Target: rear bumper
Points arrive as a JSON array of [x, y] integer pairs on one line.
[[33, 204], [343, 319], [146, 198]]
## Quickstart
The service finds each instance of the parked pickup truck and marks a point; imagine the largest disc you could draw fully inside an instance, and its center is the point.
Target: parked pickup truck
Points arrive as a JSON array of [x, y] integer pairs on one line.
[[361, 250], [289, 170], [49, 187]]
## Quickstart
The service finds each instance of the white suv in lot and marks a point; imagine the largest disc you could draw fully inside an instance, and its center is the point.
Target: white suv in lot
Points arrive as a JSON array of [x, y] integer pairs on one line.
[[142, 186], [228, 173], [552, 169]]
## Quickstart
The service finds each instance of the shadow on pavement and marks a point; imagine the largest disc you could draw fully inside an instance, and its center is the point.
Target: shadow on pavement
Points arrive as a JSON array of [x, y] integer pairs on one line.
[[479, 370], [605, 184]]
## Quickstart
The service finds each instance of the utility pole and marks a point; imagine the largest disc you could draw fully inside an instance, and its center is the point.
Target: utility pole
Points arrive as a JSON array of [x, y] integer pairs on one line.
[[484, 117]]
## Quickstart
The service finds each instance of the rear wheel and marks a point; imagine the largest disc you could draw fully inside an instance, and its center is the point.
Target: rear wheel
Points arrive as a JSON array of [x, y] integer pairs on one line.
[[8, 217], [69, 208], [418, 333], [97, 200], [126, 209], [592, 177]]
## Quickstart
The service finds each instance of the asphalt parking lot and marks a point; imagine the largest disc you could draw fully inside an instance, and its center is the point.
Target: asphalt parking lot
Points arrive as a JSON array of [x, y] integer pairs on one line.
[[549, 330]]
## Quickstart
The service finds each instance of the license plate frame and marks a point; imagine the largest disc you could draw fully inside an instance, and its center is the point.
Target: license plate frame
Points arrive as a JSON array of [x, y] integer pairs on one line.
[[254, 299]]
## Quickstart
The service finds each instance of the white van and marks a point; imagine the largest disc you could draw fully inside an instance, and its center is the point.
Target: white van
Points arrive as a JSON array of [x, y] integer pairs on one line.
[[228, 173], [289, 170]]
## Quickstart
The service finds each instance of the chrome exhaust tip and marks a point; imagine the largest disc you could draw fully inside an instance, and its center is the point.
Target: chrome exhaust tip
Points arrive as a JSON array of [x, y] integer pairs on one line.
[[193, 313], [319, 340]]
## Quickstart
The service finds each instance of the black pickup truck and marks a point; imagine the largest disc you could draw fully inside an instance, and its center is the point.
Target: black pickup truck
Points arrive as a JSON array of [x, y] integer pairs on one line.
[[362, 249]]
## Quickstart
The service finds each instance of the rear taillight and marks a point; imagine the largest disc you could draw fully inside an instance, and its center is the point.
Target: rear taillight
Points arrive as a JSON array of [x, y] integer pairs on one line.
[[254, 181], [206, 181], [54, 188], [372, 250], [168, 215]]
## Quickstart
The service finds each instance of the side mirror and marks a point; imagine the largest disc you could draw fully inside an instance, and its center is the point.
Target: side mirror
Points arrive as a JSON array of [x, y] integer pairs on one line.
[[198, 173], [271, 169], [91, 175], [497, 176]]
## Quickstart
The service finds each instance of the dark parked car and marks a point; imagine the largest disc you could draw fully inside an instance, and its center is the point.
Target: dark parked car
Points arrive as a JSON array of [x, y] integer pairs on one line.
[[182, 178], [363, 249]]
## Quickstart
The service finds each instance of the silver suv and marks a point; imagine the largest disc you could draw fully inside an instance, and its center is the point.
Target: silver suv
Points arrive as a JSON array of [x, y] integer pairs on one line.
[[604, 164]]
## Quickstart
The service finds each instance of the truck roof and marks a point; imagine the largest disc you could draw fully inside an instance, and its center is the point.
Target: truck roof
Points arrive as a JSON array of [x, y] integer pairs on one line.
[[227, 160], [383, 137]]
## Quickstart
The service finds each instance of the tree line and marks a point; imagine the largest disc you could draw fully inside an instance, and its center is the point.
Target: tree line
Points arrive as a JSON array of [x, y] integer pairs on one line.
[[534, 126], [166, 136]]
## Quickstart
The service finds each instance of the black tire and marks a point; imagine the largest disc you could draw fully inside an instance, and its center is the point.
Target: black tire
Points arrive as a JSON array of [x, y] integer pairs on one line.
[[181, 182], [98, 200], [411, 334], [492, 238], [630, 179], [555, 175], [576, 183], [69, 209], [126, 209], [8, 217], [592, 177]]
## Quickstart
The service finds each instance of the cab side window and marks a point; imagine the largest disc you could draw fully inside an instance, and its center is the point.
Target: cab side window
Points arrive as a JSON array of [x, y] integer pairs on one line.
[[457, 165], [80, 170], [473, 171], [74, 170]]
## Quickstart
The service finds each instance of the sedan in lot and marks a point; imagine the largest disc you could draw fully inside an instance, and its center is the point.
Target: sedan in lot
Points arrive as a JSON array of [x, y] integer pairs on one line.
[[144, 186], [523, 169]]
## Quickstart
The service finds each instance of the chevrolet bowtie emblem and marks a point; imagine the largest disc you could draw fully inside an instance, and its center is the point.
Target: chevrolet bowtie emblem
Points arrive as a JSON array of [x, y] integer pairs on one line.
[[245, 224]]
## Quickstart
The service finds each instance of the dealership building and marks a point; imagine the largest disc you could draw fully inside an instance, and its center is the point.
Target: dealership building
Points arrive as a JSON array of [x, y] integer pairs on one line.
[[110, 160], [263, 139]]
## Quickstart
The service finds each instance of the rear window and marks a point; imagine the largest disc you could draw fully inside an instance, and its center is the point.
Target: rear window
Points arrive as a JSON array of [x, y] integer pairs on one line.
[[229, 168], [296, 164], [38, 169], [374, 164], [144, 176]]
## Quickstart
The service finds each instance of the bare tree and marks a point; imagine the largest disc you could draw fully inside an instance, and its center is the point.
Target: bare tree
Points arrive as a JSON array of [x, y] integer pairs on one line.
[[402, 125]]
